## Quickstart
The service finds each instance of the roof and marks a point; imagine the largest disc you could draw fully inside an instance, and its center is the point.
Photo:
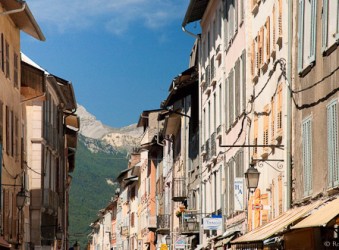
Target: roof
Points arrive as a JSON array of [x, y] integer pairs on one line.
[[276, 226], [195, 11], [321, 216], [181, 86], [24, 19]]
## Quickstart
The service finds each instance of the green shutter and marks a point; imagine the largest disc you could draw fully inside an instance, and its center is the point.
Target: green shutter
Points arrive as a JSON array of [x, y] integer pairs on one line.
[[313, 30], [300, 35], [324, 25], [307, 155], [332, 142]]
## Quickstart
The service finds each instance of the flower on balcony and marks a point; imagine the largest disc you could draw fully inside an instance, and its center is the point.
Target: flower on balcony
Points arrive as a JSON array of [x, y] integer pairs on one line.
[[178, 213]]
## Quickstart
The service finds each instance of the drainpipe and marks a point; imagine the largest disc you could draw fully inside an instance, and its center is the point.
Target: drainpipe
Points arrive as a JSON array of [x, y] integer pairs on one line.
[[14, 11], [289, 110], [201, 231]]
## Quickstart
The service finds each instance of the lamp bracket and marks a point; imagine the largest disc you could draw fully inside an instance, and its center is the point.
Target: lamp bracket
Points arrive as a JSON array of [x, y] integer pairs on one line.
[[279, 164]]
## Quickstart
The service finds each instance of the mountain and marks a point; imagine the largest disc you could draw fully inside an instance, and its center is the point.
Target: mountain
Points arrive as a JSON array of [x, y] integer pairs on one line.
[[121, 139], [101, 156]]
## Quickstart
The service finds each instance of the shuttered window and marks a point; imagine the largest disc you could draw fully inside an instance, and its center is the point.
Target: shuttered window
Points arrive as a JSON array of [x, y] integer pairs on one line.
[[2, 53], [243, 79], [253, 58], [16, 70], [324, 24], [237, 85], [266, 126], [273, 28], [231, 97], [279, 110], [307, 155], [300, 35], [255, 136], [280, 19], [268, 41], [332, 144], [313, 29], [7, 64], [273, 119]]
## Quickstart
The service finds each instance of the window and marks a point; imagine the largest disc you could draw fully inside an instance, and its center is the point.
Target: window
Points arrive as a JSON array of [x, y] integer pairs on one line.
[[307, 155], [307, 10], [268, 37], [7, 65], [237, 88], [230, 104], [330, 23], [279, 110], [16, 70], [332, 144], [2, 53], [255, 137], [1, 123], [243, 79], [266, 127]]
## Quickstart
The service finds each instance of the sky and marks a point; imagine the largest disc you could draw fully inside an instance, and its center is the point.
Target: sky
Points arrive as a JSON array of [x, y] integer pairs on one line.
[[120, 55]]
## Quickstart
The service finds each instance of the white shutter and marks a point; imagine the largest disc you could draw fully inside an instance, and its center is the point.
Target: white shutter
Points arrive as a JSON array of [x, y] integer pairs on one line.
[[313, 30], [300, 34], [332, 142], [307, 155], [324, 25]]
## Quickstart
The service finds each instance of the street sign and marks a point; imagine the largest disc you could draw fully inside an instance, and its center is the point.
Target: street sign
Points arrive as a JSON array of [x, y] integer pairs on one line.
[[180, 243]]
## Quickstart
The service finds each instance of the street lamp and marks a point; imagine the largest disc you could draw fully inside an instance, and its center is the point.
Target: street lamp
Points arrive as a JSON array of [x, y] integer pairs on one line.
[[76, 246], [252, 177], [191, 224], [59, 233], [20, 199], [168, 240]]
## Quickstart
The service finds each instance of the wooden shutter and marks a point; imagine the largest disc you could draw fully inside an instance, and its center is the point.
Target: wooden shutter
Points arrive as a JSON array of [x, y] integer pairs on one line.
[[280, 19], [2, 53], [307, 155], [272, 119], [313, 30], [280, 194], [324, 24], [253, 58], [255, 136], [243, 76], [259, 50], [237, 101], [268, 37], [332, 142], [300, 35], [7, 71], [273, 28], [264, 212], [266, 126], [279, 110]]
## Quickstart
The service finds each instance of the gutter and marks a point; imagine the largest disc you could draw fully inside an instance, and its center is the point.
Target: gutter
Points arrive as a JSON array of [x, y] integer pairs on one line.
[[14, 11]]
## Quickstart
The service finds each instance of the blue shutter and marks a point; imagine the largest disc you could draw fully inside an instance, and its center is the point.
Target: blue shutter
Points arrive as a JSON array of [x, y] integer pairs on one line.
[[313, 30], [300, 35], [324, 25]]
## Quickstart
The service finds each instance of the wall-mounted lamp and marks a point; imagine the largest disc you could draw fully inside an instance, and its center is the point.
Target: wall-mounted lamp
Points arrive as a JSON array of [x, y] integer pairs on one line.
[[252, 177]]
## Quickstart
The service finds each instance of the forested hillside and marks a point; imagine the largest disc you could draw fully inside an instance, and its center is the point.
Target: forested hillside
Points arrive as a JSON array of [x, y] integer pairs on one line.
[[91, 187]]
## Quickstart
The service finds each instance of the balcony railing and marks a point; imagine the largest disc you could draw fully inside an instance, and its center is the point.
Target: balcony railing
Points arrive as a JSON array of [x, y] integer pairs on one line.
[[213, 145], [179, 189], [50, 200], [208, 149], [163, 223], [189, 224]]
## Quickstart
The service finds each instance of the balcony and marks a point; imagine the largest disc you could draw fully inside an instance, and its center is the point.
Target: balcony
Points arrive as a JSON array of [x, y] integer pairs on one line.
[[152, 223], [179, 189], [163, 223], [213, 147], [219, 132], [50, 201], [203, 150], [218, 53], [213, 73], [189, 225]]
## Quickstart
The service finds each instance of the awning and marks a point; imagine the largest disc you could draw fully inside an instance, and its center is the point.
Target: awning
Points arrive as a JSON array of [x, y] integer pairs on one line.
[[276, 226], [72, 121], [321, 216]]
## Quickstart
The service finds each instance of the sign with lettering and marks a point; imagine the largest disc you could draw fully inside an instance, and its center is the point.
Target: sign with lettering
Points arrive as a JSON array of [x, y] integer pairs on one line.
[[212, 223], [239, 194], [180, 243]]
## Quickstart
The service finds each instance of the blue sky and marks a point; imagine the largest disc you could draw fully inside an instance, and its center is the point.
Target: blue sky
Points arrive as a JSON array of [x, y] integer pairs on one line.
[[120, 55]]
